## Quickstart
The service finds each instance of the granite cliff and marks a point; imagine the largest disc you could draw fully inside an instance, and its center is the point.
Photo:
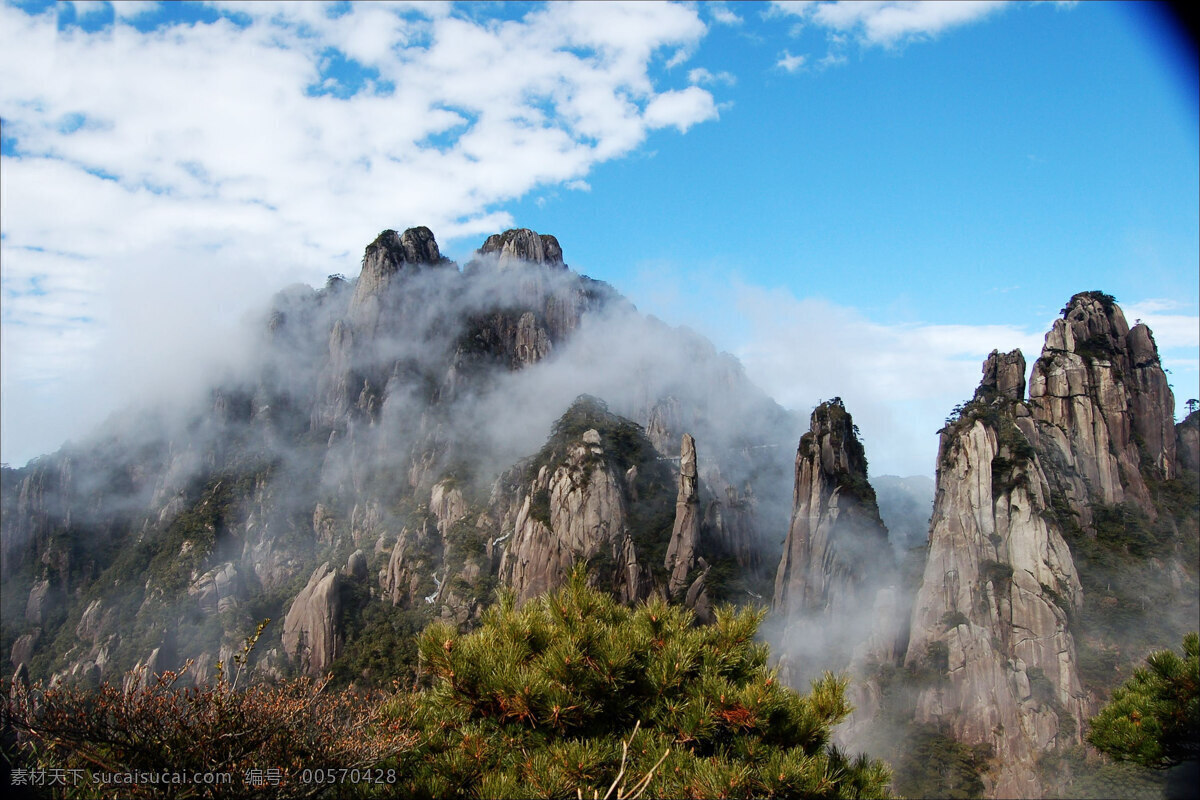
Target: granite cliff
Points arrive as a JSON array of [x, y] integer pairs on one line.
[[1057, 518], [836, 560]]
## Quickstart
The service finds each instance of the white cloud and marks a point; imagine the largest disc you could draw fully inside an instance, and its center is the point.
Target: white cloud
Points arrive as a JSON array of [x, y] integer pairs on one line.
[[700, 75], [899, 381], [680, 57], [721, 14], [683, 108], [789, 62], [190, 148], [888, 22]]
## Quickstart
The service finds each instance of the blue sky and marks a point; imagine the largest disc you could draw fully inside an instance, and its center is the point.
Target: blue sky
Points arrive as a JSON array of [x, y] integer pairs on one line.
[[858, 200]]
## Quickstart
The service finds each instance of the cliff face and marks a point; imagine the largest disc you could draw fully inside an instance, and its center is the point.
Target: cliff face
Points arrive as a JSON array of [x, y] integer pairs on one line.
[[310, 629], [1187, 442], [998, 591], [573, 511], [1103, 402], [836, 537], [599, 493], [685, 532], [1058, 522]]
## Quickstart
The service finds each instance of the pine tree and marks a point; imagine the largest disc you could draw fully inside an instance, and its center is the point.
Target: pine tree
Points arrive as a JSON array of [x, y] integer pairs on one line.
[[544, 700], [1153, 718]]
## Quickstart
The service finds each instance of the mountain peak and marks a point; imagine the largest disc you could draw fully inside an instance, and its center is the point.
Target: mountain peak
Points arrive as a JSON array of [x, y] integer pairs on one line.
[[384, 258], [522, 244], [1003, 376], [414, 246], [1089, 317]]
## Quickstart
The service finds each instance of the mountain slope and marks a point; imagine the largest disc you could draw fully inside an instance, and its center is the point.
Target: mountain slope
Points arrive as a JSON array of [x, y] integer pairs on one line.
[[367, 470]]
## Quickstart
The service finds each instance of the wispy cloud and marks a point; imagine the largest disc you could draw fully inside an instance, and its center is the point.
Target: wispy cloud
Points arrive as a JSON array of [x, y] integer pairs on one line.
[[701, 76], [899, 381], [275, 136], [722, 14], [889, 22], [874, 23], [789, 62]]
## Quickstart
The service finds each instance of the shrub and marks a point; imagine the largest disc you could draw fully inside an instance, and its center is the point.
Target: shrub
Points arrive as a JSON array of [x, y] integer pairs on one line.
[[157, 725]]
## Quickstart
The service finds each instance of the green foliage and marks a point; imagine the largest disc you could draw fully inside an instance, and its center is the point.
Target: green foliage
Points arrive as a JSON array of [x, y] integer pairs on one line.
[[465, 538], [1013, 452], [540, 700], [952, 619], [1125, 527], [1153, 718], [1078, 772], [1130, 609], [729, 581], [937, 656], [380, 639], [539, 506], [935, 764], [997, 573], [194, 535]]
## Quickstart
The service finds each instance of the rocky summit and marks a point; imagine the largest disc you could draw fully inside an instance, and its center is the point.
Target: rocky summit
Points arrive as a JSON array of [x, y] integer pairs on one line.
[[412, 445]]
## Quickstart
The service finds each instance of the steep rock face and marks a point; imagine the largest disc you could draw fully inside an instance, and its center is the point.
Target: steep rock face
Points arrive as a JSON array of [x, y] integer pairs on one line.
[[685, 534], [1057, 523], [352, 380], [411, 569], [575, 512], [599, 493], [1102, 402], [836, 555], [836, 538], [41, 599], [550, 302], [218, 589], [310, 629], [999, 586], [1003, 376], [523, 245], [1187, 442]]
